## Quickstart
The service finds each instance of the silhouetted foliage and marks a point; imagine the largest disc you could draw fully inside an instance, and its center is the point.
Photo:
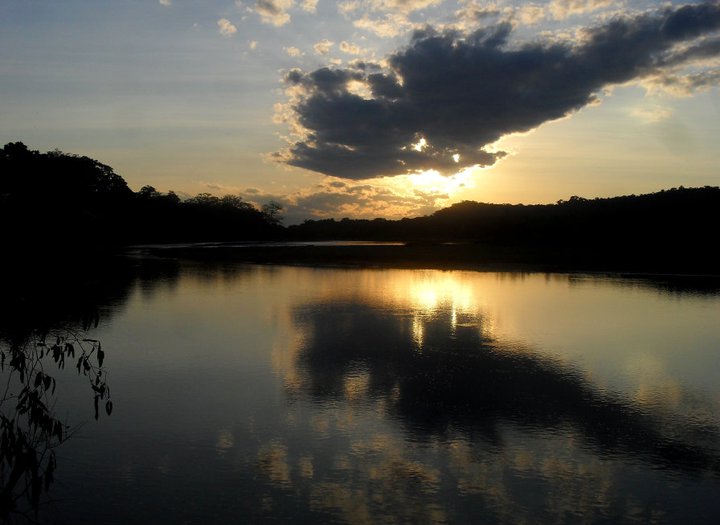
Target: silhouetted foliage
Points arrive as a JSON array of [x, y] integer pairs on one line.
[[272, 211], [50, 307], [29, 429], [47, 197], [37, 341], [668, 230]]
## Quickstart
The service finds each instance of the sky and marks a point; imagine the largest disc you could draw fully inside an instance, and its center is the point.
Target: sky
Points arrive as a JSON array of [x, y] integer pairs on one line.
[[371, 108]]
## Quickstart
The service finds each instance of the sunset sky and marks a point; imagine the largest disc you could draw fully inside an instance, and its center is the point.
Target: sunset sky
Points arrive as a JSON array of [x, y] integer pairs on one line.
[[376, 108]]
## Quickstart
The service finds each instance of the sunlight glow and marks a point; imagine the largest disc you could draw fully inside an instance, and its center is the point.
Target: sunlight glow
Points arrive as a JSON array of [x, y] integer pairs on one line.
[[432, 180], [360, 89], [447, 291], [418, 331], [420, 144]]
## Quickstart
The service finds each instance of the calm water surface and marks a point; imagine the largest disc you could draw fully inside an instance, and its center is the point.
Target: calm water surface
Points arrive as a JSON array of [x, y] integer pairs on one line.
[[249, 394]]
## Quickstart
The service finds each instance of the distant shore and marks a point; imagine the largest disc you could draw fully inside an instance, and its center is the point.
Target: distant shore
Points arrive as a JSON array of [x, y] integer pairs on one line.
[[431, 255]]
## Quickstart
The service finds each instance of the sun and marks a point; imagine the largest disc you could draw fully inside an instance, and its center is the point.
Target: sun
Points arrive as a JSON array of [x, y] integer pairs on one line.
[[433, 181]]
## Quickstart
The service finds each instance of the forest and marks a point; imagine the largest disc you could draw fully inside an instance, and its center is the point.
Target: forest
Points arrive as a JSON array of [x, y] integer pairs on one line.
[[59, 198]]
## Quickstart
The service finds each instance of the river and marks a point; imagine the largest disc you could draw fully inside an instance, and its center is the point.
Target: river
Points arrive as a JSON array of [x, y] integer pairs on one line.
[[268, 394]]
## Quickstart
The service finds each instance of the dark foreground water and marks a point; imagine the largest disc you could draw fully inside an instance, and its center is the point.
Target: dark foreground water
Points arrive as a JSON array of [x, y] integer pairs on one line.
[[248, 394]]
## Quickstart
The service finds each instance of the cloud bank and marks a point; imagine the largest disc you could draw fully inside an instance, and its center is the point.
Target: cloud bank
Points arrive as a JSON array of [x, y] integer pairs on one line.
[[337, 199], [443, 100]]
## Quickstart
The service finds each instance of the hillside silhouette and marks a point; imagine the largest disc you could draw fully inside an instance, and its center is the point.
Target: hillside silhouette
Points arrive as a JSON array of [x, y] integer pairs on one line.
[[668, 230], [58, 199]]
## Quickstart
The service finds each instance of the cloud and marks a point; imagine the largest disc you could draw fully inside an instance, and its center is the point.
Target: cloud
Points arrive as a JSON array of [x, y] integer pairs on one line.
[[323, 47], [274, 12], [562, 9], [479, 11], [387, 198], [293, 51], [391, 25], [386, 6], [309, 5], [253, 45], [458, 93], [351, 49], [651, 114], [684, 85], [166, 2], [473, 11], [384, 18], [226, 27]]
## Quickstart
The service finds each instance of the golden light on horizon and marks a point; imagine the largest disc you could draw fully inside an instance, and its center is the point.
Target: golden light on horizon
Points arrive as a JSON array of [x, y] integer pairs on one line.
[[432, 180]]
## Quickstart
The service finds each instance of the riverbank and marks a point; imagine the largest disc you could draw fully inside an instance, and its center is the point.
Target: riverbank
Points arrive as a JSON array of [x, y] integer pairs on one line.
[[444, 256]]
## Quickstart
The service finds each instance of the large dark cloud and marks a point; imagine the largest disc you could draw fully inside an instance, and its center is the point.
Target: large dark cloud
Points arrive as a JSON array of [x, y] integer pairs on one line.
[[461, 92]]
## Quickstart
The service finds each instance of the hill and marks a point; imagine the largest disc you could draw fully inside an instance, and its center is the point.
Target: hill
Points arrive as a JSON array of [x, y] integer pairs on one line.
[[671, 230]]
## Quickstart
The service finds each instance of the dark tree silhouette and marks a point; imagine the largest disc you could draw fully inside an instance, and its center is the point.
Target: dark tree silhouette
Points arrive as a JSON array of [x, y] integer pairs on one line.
[[272, 211], [665, 231], [47, 197]]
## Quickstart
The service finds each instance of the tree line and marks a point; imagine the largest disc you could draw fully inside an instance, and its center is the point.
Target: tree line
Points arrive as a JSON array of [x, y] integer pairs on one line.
[[669, 229], [60, 197]]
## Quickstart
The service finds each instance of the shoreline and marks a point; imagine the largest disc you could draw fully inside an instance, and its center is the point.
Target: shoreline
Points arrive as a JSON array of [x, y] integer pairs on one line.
[[434, 255]]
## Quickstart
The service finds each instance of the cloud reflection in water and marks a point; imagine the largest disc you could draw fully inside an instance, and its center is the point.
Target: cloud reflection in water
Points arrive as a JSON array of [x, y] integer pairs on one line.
[[426, 414]]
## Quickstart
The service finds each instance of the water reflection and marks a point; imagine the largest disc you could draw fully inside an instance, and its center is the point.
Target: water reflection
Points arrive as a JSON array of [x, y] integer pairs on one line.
[[261, 394], [461, 377], [492, 429]]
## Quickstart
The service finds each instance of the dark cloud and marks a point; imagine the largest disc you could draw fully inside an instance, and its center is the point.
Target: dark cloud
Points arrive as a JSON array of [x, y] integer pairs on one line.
[[461, 92]]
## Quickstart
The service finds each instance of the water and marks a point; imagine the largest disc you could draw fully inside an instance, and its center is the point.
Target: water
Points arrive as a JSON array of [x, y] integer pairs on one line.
[[261, 394]]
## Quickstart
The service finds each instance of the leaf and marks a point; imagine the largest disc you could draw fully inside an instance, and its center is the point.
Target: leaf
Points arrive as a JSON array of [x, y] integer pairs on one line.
[[49, 471], [35, 492], [108, 407]]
